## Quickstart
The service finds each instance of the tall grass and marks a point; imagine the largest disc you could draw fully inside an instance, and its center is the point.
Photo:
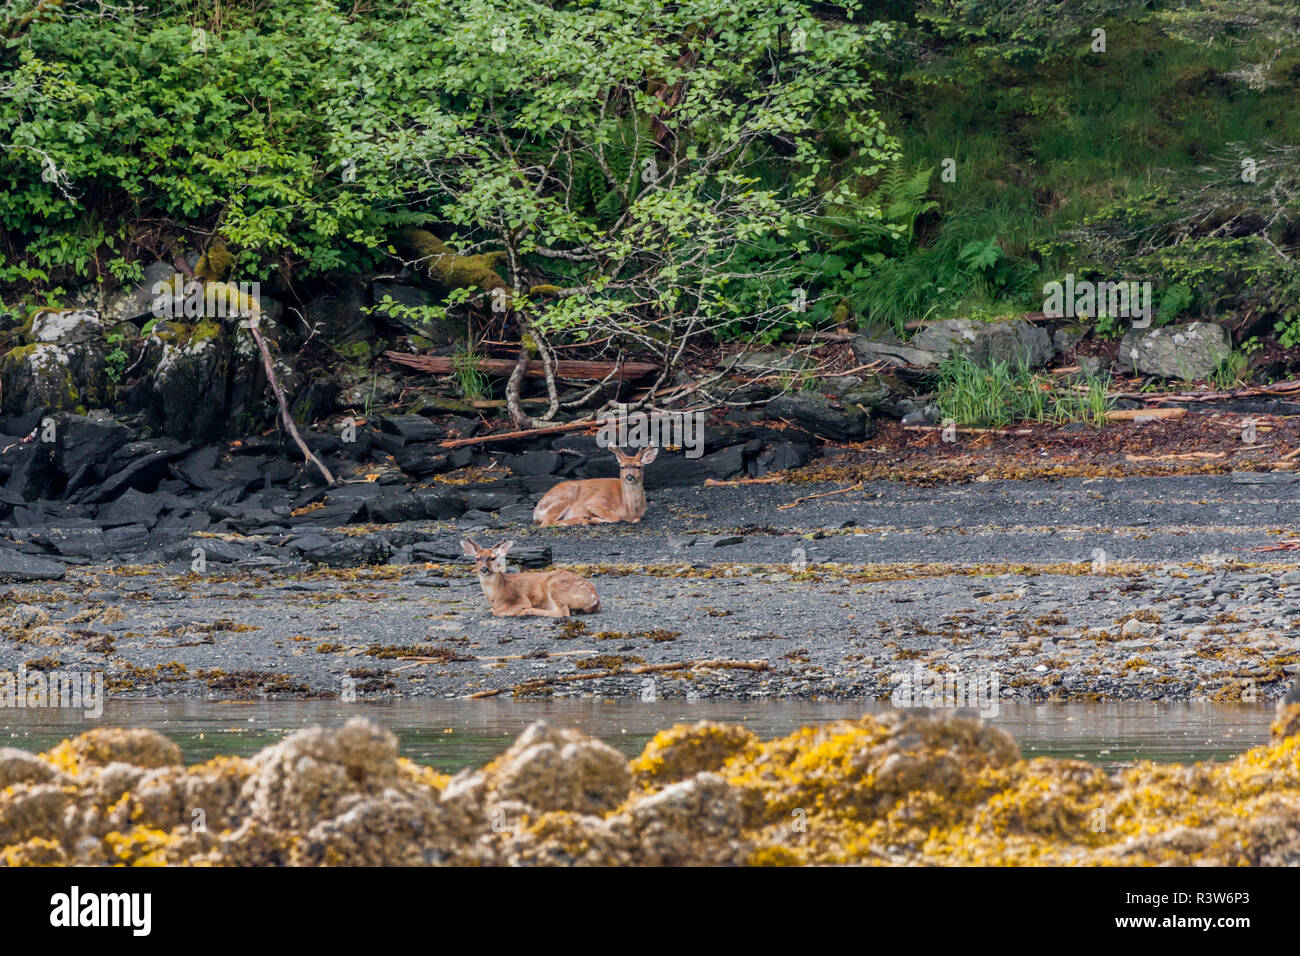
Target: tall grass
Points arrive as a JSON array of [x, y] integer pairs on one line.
[[470, 382], [996, 395]]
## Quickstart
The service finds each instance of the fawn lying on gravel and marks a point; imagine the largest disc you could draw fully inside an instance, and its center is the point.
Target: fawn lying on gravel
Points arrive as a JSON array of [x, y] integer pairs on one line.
[[599, 500], [535, 593]]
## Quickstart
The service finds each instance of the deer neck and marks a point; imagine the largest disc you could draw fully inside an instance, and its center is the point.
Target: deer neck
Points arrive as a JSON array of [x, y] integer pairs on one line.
[[492, 585], [633, 497]]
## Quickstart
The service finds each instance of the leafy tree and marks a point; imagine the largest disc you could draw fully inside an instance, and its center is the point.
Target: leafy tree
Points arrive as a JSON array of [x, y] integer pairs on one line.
[[625, 157]]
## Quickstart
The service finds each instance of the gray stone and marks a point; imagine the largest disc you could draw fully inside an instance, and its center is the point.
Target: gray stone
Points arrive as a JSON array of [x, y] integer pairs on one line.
[[16, 566], [866, 350], [1264, 478], [60, 367], [776, 361], [137, 301], [1188, 352], [985, 343]]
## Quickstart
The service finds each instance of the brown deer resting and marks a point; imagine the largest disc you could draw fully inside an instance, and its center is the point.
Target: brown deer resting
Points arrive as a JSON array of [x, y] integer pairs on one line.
[[599, 500], [530, 593]]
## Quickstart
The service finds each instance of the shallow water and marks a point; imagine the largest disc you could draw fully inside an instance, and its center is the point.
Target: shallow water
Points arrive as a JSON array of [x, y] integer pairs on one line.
[[451, 735]]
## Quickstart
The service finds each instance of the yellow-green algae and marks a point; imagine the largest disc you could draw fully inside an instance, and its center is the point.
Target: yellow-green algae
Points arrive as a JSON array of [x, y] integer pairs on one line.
[[903, 788]]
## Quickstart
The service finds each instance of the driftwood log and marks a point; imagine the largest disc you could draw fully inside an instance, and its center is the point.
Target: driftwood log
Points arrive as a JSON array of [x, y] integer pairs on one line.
[[572, 369]]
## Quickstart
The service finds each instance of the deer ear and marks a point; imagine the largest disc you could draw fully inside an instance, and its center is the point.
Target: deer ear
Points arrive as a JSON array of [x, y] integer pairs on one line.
[[470, 548], [503, 548], [649, 454]]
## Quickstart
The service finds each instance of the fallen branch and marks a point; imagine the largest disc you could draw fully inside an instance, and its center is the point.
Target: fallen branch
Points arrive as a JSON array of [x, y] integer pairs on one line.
[[824, 494], [1144, 414], [1291, 545], [552, 429], [1277, 388], [274, 381], [1190, 454], [564, 368], [971, 430]]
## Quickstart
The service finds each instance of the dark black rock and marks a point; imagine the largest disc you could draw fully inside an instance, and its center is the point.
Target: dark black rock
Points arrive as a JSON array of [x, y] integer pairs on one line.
[[533, 463], [140, 465], [33, 473], [214, 550], [726, 463], [133, 507], [676, 471], [423, 504], [199, 469], [129, 539], [822, 417], [15, 566], [350, 552], [488, 500], [781, 456], [336, 512], [412, 428], [422, 460], [521, 513], [84, 442]]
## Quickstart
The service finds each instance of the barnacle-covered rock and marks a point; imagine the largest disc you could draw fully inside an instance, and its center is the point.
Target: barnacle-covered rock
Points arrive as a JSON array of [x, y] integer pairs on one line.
[[35, 852], [306, 776], [1286, 723], [560, 838], [896, 788], [561, 770], [695, 822], [21, 766], [168, 797], [687, 749], [103, 746], [35, 811]]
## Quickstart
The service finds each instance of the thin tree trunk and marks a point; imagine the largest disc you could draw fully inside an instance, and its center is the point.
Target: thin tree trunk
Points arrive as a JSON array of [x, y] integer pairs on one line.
[[284, 405]]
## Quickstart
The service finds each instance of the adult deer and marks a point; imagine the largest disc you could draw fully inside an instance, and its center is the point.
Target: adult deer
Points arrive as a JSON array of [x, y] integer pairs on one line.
[[599, 500]]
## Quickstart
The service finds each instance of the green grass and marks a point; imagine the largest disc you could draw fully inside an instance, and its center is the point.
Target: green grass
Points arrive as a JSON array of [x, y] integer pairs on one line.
[[1229, 372], [1049, 149], [470, 382], [1002, 393]]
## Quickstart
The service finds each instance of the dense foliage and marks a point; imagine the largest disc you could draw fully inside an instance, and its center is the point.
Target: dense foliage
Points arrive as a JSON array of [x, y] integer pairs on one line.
[[734, 167]]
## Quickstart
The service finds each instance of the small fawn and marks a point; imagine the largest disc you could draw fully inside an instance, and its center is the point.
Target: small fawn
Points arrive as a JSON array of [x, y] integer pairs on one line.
[[599, 500], [530, 593]]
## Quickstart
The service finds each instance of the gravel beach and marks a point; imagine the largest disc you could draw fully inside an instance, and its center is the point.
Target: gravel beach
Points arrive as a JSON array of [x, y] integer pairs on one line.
[[1082, 589]]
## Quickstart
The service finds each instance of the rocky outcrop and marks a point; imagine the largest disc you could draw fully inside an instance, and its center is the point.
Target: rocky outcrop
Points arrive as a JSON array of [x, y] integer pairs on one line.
[[60, 366], [986, 343], [904, 787], [1011, 342], [1188, 352], [867, 351], [824, 417]]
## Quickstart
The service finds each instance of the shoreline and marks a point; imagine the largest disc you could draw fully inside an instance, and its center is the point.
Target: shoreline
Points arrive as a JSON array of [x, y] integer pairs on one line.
[[890, 789]]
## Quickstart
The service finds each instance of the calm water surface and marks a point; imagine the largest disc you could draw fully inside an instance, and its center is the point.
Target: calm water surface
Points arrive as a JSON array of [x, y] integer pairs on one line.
[[450, 735]]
